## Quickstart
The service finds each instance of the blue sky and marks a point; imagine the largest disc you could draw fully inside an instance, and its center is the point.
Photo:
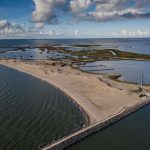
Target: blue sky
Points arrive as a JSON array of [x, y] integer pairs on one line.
[[74, 18]]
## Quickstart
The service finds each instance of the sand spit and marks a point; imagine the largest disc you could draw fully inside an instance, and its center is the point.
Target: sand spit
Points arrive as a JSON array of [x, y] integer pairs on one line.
[[103, 100]]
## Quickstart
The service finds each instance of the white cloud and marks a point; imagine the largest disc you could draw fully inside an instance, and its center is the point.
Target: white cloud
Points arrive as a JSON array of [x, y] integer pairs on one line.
[[79, 5], [39, 25], [124, 32], [77, 32], [114, 34], [51, 33], [7, 27], [115, 10], [13, 30], [45, 11], [137, 33], [131, 33]]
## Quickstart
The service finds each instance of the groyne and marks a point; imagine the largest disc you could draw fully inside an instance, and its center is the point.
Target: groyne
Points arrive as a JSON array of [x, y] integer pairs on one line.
[[86, 131]]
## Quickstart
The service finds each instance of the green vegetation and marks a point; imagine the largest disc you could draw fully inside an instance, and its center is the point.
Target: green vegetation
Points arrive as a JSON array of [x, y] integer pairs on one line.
[[84, 45], [106, 54], [85, 54], [114, 76]]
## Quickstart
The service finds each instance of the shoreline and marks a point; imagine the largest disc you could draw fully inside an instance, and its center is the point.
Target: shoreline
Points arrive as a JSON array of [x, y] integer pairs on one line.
[[73, 138], [86, 117], [84, 90], [85, 114]]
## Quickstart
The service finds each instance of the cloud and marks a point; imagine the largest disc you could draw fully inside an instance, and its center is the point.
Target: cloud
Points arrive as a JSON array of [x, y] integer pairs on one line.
[[114, 34], [7, 27], [13, 30], [51, 11], [79, 5], [107, 10], [45, 10], [77, 32], [124, 32], [52, 33], [142, 3], [131, 33], [39, 25], [113, 15], [137, 33]]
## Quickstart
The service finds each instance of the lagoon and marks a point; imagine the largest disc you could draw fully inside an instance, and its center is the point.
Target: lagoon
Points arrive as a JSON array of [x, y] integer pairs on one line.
[[130, 70]]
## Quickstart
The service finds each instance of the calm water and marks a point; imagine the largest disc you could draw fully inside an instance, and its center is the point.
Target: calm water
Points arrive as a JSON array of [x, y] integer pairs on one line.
[[131, 45], [8, 47], [130, 70], [32, 53], [32, 112], [131, 133]]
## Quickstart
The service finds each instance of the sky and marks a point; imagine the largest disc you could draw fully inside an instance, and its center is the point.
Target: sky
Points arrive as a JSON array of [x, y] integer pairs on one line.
[[74, 18]]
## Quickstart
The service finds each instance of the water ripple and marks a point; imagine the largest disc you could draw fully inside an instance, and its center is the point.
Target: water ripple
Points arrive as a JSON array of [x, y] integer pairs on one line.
[[33, 112]]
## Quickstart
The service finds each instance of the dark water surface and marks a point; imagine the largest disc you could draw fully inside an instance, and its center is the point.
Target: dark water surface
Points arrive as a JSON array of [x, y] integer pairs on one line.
[[32, 112], [131, 133]]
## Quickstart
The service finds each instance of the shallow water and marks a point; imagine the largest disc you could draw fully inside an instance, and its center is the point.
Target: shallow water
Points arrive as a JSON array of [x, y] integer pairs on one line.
[[32, 112], [138, 45], [130, 70], [131, 133], [32, 53]]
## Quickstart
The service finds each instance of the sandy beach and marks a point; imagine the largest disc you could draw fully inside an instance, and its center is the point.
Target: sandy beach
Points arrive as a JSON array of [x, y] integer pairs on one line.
[[97, 96]]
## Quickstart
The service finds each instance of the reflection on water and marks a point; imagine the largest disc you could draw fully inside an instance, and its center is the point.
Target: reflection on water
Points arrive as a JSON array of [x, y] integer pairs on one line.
[[130, 70], [32, 112], [132, 45], [32, 53], [131, 133]]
